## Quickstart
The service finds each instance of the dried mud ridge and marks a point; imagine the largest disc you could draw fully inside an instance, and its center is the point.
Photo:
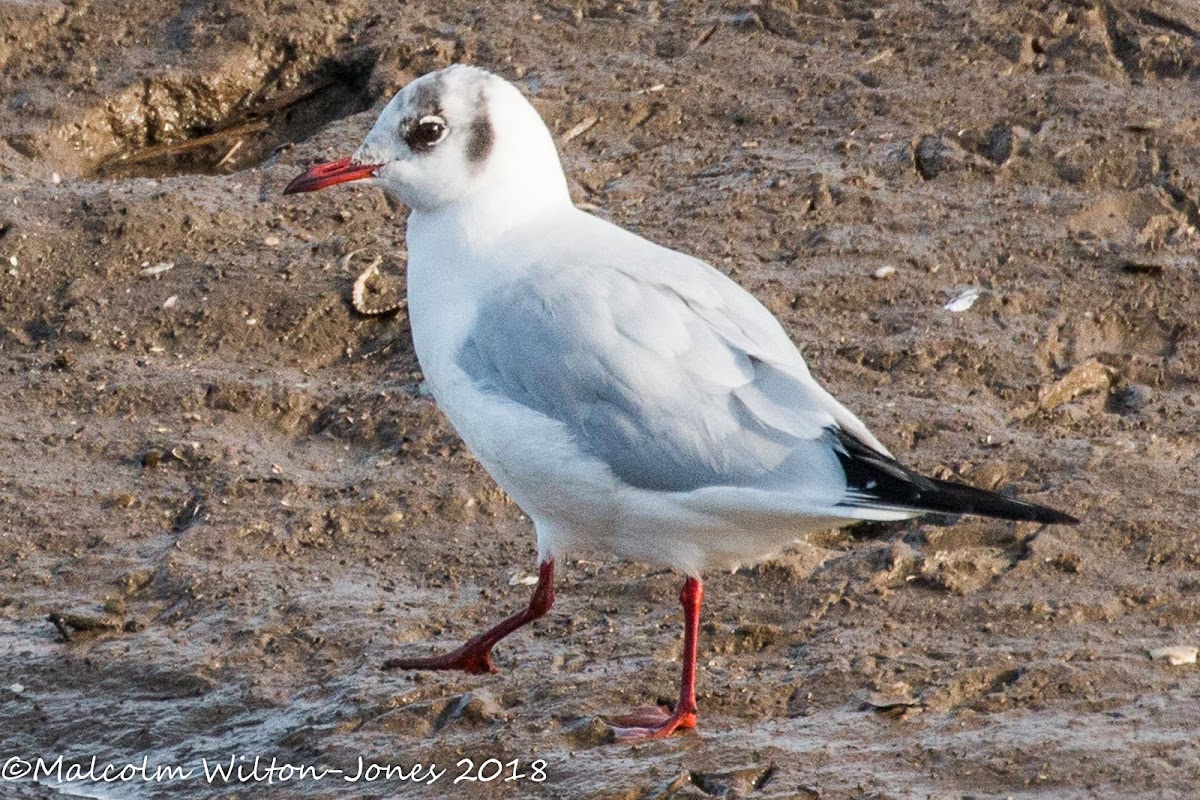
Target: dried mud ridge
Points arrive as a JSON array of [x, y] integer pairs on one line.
[[233, 102], [247, 130]]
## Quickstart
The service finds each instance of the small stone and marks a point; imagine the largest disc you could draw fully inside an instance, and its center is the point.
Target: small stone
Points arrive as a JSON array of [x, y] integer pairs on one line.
[[589, 732], [1067, 562], [1176, 655], [903, 560], [271, 241], [474, 708], [88, 623], [894, 701], [929, 156], [1000, 144], [1130, 398], [157, 269], [1143, 266], [1090, 376], [1144, 125], [733, 783], [883, 272], [520, 579], [963, 300], [114, 606], [932, 155], [170, 301]]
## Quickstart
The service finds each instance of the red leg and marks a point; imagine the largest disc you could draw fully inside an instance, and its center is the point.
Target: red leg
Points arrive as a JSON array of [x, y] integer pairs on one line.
[[659, 722], [475, 656]]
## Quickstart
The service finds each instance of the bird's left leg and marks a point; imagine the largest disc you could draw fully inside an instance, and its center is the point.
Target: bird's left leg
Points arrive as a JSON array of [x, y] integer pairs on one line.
[[475, 656], [660, 722]]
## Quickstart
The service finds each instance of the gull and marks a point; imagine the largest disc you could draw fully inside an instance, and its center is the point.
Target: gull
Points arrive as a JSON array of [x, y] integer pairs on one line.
[[631, 399]]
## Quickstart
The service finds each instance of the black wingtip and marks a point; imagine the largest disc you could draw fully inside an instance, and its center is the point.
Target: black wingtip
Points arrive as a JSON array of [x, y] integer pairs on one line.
[[875, 479], [958, 498]]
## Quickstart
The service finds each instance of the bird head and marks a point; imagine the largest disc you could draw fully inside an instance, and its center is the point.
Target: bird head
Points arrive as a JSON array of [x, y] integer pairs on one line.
[[459, 134]]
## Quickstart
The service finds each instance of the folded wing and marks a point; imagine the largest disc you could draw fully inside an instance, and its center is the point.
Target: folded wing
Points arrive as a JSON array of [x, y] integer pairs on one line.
[[671, 393], [680, 381]]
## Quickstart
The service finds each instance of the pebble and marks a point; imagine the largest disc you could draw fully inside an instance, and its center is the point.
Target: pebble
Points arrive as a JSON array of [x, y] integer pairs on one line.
[[963, 300], [1090, 376], [894, 702], [588, 732], [1132, 397], [1176, 655], [476, 708], [271, 241], [733, 783], [158, 269], [885, 271], [932, 155], [521, 579]]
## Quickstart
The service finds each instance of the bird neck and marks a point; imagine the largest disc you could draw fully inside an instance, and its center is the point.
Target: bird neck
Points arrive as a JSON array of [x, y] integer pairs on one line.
[[486, 216]]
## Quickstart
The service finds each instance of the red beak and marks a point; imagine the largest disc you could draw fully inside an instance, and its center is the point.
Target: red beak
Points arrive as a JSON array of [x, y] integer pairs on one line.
[[318, 176]]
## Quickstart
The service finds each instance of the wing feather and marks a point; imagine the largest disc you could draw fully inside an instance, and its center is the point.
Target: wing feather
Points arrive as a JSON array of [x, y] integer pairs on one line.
[[672, 379]]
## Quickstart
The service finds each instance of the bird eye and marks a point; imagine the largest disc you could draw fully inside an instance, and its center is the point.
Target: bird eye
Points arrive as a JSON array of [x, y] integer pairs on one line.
[[425, 133]]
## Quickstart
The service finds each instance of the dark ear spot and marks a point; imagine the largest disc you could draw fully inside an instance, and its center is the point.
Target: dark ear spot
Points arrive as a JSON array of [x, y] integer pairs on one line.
[[480, 138]]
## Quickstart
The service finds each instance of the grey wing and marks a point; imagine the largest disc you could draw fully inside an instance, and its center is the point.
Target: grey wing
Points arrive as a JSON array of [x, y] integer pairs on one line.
[[672, 393]]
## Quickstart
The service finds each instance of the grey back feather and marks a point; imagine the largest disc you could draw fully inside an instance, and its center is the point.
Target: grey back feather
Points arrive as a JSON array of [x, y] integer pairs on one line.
[[669, 392]]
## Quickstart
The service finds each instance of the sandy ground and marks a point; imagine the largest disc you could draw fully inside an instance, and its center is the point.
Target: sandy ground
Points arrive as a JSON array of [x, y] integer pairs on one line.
[[231, 490]]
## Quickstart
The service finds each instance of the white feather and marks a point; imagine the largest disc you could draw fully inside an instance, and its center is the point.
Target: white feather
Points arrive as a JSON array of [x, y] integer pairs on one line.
[[630, 398]]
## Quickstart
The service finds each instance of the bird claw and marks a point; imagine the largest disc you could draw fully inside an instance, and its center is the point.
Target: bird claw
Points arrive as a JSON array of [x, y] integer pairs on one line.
[[465, 659], [650, 722], [475, 655]]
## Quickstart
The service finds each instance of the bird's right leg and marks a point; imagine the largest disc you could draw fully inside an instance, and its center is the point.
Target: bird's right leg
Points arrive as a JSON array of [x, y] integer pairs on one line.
[[660, 722], [475, 656]]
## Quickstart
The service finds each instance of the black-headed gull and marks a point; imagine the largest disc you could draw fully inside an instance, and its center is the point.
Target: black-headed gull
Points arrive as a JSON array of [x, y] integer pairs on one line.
[[630, 398]]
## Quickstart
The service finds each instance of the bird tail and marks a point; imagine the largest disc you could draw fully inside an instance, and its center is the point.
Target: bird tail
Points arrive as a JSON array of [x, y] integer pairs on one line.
[[958, 498], [875, 480]]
